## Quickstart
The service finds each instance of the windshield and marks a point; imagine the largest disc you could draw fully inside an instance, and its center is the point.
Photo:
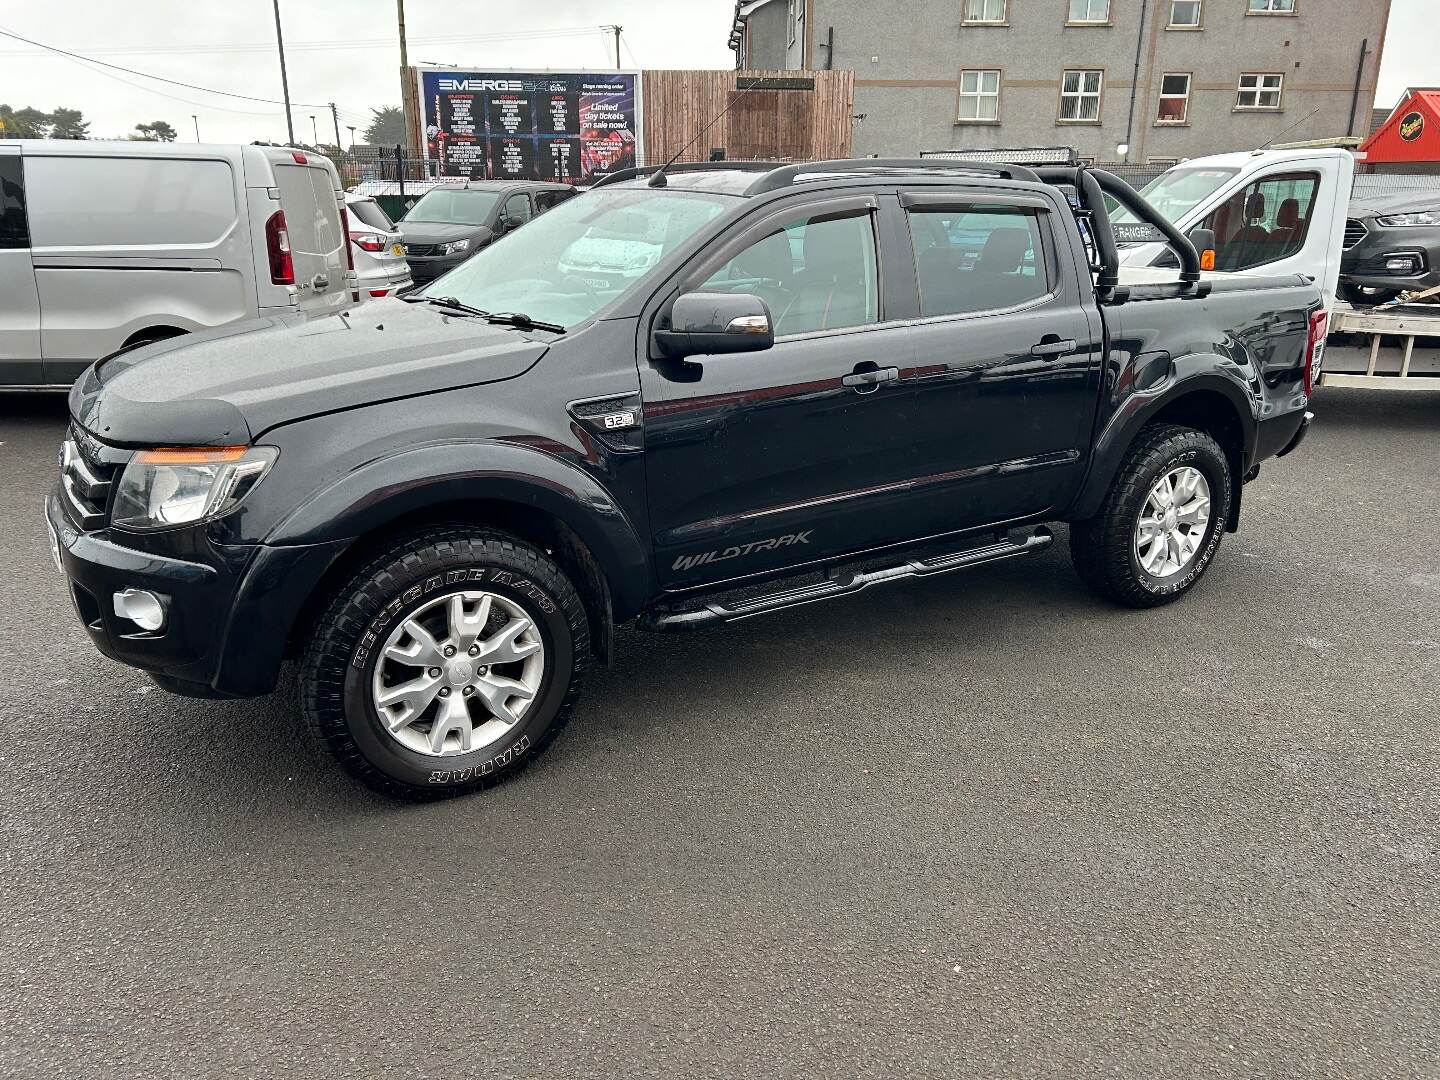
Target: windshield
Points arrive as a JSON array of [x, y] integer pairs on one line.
[[454, 207], [1176, 192], [570, 262]]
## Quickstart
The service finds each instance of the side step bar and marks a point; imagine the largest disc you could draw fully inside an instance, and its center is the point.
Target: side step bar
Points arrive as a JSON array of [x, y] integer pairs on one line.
[[842, 584]]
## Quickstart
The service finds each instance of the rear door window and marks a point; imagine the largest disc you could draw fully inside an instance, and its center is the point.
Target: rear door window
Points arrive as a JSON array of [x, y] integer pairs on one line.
[[14, 227], [977, 258], [547, 200], [1264, 221], [819, 273], [311, 210]]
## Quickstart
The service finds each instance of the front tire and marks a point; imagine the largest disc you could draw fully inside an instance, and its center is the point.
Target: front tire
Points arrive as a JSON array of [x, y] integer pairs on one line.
[[1160, 523], [445, 663], [1365, 295]]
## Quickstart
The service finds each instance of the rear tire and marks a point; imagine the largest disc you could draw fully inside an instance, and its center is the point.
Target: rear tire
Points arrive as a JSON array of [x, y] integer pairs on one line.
[[1136, 552], [397, 680]]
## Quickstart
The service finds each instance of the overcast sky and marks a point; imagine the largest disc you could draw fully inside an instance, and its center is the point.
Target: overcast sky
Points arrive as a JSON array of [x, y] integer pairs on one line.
[[345, 51]]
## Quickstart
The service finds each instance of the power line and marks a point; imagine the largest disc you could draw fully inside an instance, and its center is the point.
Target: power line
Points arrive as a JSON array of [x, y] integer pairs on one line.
[[157, 78]]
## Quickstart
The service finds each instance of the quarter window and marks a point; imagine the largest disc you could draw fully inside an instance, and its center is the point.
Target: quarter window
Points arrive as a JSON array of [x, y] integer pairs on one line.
[[1272, 7], [1264, 221], [984, 11], [1080, 95], [1184, 13], [1089, 11], [979, 95], [1260, 91], [1174, 98], [977, 259], [14, 226], [816, 274]]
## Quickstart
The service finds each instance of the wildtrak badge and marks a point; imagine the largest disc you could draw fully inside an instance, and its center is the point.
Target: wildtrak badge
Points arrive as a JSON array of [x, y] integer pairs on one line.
[[686, 562]]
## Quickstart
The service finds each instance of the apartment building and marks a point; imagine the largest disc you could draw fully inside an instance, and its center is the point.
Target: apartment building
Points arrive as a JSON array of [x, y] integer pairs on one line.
[[1119, 80]]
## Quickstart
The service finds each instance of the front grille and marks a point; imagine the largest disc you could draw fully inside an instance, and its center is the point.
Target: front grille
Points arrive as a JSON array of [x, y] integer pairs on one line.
[[1354, 232], [87, 473], [424, 250]]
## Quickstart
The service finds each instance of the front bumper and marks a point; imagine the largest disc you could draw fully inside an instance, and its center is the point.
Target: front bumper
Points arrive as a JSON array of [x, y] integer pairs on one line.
[[229, 608], [427, 268], [1418, 246]]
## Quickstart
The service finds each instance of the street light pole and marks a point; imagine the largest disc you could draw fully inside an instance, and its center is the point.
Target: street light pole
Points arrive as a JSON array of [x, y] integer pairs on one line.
[[314, 132], [197, 126], [284, 77], [351, 128], [404, 68]]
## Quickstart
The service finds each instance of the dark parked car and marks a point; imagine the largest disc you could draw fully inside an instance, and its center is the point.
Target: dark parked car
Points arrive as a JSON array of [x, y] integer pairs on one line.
[[442, 506], [449, 224], [1392, 245]]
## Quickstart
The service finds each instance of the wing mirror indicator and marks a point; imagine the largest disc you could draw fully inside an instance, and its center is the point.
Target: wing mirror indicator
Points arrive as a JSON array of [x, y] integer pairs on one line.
[[711, 323], [1204, 241]]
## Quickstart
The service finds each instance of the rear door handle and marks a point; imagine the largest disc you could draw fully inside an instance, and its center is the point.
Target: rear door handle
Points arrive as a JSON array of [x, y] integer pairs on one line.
[[1052, 346], [865, 382]]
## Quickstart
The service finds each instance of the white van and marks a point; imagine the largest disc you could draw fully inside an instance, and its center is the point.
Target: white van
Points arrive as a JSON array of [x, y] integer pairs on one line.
[[104, 245], [1272, 212]]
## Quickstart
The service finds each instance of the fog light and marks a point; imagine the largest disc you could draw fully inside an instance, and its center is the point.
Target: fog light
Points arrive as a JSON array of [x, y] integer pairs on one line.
[[142, 607], [1403, 264]]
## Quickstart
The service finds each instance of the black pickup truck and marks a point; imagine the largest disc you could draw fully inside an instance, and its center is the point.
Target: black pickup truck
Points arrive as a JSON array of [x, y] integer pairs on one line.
[[790, 383]]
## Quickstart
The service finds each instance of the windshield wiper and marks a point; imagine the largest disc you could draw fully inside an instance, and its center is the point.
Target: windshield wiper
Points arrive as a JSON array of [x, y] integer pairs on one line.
[[446, 301], [521, 321]]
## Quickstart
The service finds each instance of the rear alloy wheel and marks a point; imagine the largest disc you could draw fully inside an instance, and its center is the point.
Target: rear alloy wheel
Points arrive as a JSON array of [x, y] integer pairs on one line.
[[1160, 523], [445, 663]]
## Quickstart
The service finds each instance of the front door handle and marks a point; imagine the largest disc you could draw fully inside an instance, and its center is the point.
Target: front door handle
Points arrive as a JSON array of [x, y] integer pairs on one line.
[[867, 382], [1050, 345]]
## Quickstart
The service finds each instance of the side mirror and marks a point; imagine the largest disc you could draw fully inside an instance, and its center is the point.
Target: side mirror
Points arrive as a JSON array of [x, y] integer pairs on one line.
[[1204, 241], [704, 323]]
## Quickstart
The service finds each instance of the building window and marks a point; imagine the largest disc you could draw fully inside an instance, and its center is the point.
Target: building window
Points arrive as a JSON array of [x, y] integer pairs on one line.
[[1272, 7], [980, 95], [984, 11], [1089, 11], [1080, 96], [1259, 91], [1185, 14], [1174, 98]]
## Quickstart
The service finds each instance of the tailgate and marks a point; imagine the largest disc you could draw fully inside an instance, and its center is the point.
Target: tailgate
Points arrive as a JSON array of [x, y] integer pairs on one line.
[[317, 240]]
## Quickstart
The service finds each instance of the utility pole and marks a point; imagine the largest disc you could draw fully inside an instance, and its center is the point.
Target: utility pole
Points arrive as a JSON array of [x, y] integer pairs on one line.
[[404, 68], [284, 77], [335, 116], [197, 126], [616, 30]]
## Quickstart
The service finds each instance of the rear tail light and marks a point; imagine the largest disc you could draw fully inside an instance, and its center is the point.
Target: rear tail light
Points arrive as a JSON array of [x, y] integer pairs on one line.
[[379, 292], [277, 245], [368, 242], [1315, 348], [349, 256]]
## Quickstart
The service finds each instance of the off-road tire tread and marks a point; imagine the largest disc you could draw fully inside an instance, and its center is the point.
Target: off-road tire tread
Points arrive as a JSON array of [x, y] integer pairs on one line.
[[1100, 546], [373, 584]]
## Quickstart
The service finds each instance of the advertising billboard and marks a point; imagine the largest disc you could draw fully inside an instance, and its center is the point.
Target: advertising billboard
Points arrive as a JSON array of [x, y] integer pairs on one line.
[[515, 125]]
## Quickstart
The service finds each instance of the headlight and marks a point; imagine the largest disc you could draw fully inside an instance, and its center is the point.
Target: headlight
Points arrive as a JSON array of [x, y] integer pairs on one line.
[[164, 488], [455, 247], [1419, 217]]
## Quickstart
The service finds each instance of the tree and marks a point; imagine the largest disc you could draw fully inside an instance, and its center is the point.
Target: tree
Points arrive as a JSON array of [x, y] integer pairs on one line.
[[387, 127], [68, 124], [155, 131], [26, 123]]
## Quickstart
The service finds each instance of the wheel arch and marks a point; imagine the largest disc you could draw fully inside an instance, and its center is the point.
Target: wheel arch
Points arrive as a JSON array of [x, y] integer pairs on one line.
[[525, 492], [1210, 403]]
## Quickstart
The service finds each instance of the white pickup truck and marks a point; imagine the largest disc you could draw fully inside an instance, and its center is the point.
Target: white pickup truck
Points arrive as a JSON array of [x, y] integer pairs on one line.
[[1272, 212]]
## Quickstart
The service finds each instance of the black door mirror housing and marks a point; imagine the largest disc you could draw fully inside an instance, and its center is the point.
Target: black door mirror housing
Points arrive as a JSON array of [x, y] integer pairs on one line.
[[706, 323], [1204, 242]]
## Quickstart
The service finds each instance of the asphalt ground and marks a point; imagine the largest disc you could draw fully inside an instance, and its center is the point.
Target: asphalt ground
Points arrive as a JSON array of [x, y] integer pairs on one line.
[[986, 825]]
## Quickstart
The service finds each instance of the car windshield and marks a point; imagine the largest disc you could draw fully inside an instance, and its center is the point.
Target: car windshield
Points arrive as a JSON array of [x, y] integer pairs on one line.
[[570, 262], [454, 207], [1176, 192]]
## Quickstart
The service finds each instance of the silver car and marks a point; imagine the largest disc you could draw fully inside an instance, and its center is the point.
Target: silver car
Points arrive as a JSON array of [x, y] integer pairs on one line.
[[378, 247]]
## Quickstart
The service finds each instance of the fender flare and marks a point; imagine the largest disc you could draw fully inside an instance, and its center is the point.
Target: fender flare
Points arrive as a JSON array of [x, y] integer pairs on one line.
[[413, 480], [1139, 409]]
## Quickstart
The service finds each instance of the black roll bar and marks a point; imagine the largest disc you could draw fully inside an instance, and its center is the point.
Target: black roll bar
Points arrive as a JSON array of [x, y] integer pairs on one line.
[[1131, 199]]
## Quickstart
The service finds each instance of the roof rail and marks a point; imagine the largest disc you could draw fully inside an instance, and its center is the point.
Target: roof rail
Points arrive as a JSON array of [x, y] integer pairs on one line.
[[786, 175], [621, 175]]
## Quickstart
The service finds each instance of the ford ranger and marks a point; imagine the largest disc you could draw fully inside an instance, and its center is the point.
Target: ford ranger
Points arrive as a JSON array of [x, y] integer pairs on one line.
[[819, 378]]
